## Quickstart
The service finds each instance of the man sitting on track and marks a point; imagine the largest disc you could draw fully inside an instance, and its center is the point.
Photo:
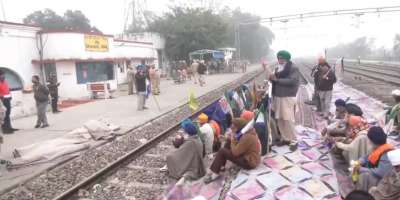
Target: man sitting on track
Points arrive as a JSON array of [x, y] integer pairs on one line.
[[207, 133], [187, 160], [337, 127], [243, 149], [356, 144], [373, 167], [389, 187]]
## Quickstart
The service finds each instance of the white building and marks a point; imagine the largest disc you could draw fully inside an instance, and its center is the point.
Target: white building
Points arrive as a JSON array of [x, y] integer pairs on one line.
[[77, 58], [158, 44]]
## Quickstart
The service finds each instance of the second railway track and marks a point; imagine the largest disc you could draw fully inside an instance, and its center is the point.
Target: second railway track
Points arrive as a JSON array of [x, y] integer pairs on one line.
[[377, 82]]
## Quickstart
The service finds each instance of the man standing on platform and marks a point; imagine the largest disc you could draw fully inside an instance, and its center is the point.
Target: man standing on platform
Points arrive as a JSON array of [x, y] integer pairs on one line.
[[140, 79], [154, 79], [201, 71], [41, 95], [5, 97], [53, 88], [285, 84], [131, 80], [194, 67]]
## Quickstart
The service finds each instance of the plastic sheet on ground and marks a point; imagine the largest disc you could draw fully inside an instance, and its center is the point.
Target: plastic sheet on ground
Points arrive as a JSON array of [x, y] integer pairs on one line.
[[72, 142], [299, 175], [307, 173]]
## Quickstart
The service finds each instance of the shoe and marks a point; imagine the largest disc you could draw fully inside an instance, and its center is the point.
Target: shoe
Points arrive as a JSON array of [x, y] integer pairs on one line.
[[37, 126], [14, 129], [282, 143], [293, 146], [44, 126], [8, 131], [145, 108], [57, 111]]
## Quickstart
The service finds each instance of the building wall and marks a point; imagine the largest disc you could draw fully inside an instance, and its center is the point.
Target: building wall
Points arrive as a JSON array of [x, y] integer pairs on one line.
[[17, 49], [69, 87], [158, 44], [66, 45], [121, 76]]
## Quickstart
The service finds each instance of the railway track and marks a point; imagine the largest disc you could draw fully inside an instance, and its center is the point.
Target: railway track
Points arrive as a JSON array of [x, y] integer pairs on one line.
[[381, 74], [139, 178], [377, 82], [134, 175]]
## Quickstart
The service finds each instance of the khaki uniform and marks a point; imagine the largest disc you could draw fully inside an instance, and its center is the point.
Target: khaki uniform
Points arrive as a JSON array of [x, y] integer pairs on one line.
[[154, 81], [131, 81]]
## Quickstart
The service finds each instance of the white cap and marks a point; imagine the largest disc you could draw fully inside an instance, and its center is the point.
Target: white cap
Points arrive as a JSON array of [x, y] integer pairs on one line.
[[394, 157], [396, 92]]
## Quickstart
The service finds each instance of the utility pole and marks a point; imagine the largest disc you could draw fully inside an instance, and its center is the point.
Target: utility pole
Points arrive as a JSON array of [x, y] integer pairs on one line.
[[3, 10], [137, 11], [237, 40]]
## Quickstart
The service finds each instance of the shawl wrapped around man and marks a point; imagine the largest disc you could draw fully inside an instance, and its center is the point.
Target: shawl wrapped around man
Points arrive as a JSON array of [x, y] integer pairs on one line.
[[359, 146], [187, 160]]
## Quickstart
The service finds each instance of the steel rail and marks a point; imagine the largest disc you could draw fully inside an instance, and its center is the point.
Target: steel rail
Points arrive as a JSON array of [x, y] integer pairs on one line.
[[390, 78], [381, 71], [138, 150]]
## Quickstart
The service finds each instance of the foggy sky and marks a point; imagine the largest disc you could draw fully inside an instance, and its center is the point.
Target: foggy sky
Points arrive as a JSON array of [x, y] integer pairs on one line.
[[309, 37]]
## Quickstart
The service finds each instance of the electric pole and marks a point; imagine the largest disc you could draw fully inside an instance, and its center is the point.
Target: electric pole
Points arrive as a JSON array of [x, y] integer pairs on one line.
[[3, 10]]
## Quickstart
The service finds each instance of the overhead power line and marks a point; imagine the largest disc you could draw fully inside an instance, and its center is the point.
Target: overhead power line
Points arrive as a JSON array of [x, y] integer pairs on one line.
[[300, 16]]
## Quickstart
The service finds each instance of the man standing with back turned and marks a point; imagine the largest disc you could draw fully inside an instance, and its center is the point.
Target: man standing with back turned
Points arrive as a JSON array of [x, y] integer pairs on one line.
[[285, 83]]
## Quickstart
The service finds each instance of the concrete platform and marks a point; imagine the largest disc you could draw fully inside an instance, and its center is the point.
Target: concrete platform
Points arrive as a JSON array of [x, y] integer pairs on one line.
[[120, 111]]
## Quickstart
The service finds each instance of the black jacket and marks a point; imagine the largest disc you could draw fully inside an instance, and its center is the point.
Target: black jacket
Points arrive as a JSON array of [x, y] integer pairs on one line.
[[140, 81], [287, 83], [201, 69], [326, 81]]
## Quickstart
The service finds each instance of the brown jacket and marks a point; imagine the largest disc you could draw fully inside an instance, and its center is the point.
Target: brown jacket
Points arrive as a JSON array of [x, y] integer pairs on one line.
[[249, 146]]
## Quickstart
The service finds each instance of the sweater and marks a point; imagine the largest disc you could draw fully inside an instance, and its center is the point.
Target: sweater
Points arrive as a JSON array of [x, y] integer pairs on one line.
[[248, 146], [384, 166], [287, 87], [140, 79], [40, 93]]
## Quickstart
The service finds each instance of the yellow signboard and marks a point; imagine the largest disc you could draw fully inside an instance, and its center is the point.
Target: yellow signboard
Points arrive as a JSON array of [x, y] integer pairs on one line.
[[96, 43]]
